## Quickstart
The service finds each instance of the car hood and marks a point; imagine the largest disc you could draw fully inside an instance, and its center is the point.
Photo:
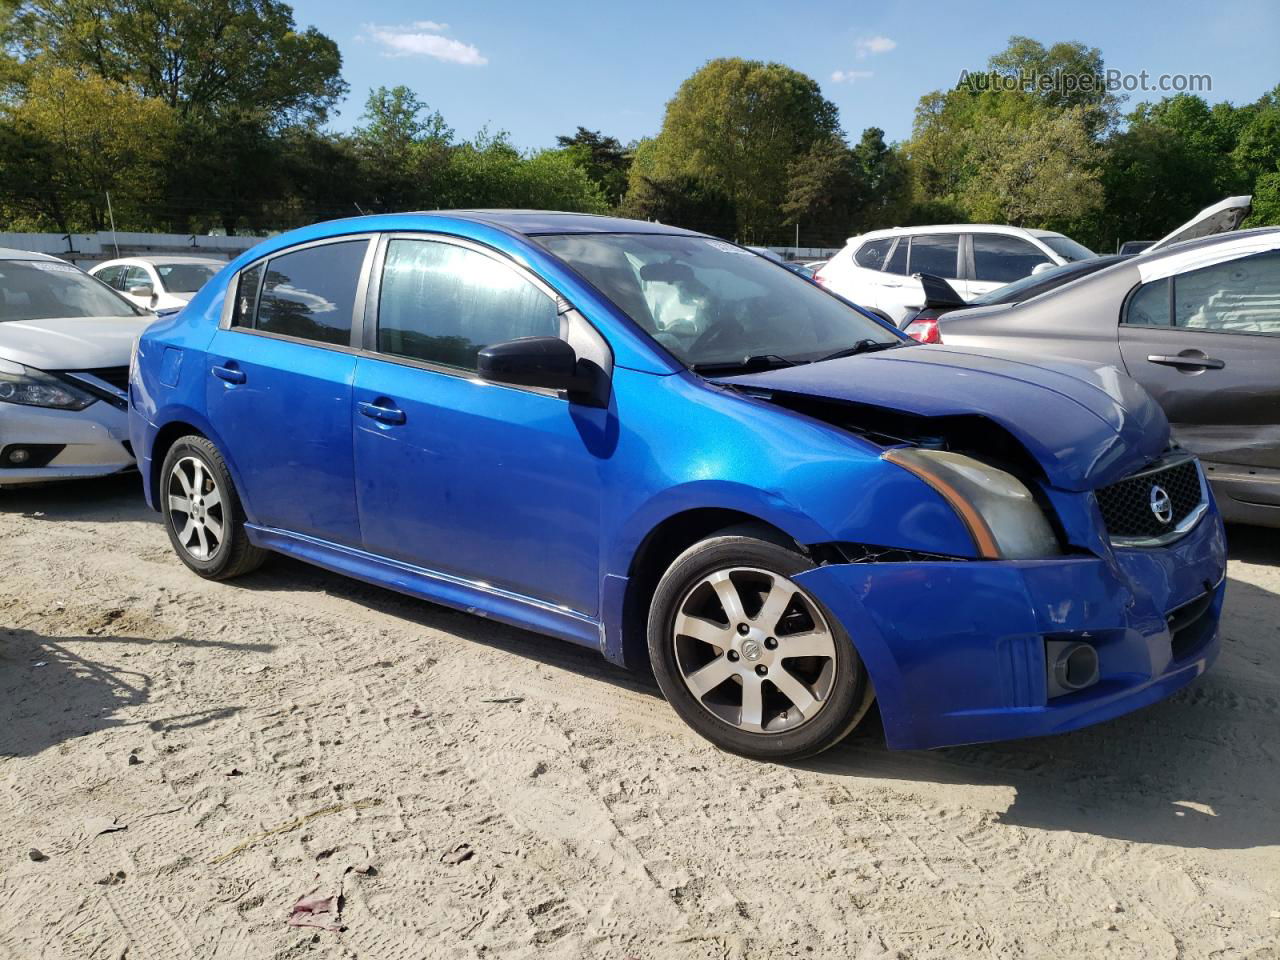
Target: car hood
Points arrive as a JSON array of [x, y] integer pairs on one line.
[[1223, 217], [1087, 425], [71, 343]]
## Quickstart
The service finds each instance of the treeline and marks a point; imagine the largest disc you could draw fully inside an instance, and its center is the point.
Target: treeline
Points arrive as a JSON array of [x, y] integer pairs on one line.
[[201, 115]]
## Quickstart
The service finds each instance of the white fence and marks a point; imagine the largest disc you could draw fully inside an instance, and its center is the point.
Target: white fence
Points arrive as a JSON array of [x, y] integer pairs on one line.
[[86, 249]]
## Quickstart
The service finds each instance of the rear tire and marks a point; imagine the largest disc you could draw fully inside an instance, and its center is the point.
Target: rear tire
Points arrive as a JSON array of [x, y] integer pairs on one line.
[[202, 512], [750, 660]]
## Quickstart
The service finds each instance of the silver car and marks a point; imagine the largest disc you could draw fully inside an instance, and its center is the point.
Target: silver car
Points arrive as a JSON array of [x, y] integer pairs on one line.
[[65, 341], [1198, 325]]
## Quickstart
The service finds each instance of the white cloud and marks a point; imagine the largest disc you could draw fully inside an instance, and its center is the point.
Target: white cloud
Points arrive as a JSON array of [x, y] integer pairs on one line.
[[849, 76], [423, 39], [874, 45]]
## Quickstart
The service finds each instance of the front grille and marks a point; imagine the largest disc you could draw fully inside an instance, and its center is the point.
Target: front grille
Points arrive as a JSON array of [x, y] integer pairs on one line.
[[1127, 506], [118, 377]]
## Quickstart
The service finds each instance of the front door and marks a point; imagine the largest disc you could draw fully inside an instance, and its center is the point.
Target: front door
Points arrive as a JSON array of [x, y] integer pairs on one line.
[[1206, 344], [279, 377], [492, 484]]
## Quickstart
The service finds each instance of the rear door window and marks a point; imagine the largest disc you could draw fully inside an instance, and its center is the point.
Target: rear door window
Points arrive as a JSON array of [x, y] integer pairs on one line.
[[935, 253], [998, 258], [872, 254], [898, 258], [310, 294]]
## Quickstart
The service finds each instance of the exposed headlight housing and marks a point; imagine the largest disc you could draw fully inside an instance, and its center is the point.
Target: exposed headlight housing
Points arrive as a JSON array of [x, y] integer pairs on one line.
[[35, 388], [1000, 512]]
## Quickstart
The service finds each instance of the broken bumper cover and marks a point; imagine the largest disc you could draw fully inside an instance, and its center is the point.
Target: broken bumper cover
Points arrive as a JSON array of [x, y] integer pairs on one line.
[[956, 650], [70, 444]]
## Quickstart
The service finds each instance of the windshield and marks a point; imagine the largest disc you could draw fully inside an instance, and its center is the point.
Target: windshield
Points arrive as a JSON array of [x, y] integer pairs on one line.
[[710, 302], [184, 277], [1067, 248], [45, 289]]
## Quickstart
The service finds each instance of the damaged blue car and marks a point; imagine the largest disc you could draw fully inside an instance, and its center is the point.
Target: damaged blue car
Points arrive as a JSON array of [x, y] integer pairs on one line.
[[668, 448]]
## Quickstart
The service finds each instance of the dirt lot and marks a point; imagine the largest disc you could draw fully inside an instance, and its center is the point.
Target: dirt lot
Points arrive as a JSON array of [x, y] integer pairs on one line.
[[191, 758]]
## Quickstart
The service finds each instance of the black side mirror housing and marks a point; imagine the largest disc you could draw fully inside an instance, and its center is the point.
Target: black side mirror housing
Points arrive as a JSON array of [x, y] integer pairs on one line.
[[546, 362]]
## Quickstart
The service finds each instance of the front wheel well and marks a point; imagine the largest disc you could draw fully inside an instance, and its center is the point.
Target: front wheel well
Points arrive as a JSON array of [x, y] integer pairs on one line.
[[660, 548], [167, 436]]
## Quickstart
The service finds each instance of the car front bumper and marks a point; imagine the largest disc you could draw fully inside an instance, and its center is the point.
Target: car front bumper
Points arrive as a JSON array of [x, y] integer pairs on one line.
[[94, 442], [956, 650]]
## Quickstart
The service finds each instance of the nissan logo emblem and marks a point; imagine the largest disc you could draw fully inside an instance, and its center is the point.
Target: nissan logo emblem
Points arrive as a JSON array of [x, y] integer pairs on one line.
[[1161, 505]]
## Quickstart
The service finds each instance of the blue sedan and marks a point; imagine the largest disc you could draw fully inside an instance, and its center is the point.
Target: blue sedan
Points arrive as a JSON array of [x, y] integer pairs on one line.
[[657, 444]]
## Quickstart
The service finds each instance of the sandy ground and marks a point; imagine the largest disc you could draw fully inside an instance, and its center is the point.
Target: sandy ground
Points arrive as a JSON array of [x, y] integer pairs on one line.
[[192, 758]]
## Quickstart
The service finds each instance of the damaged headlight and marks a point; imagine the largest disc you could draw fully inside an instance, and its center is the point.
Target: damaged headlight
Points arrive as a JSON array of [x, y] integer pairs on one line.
[[35, 388], [999, 510]]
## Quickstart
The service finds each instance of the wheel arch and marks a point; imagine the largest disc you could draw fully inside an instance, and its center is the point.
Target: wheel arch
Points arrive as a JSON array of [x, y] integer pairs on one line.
[[655, 553], [184, 423]]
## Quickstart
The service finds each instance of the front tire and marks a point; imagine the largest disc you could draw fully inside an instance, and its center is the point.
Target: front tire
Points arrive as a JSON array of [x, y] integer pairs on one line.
[[749, 659], [202, 513]]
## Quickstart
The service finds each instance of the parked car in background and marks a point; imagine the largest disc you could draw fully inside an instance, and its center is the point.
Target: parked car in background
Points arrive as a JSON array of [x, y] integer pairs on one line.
[[65, 341], [940, 297], [158, 283], [878, 270], [988, 547], [1198, 325]]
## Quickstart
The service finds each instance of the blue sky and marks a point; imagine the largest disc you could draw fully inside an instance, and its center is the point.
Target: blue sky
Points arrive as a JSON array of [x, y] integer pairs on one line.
[[542, 68]]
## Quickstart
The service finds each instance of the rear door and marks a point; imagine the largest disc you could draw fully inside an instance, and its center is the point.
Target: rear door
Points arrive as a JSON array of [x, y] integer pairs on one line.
[[1206, 344], [997, 259], [278, 391]]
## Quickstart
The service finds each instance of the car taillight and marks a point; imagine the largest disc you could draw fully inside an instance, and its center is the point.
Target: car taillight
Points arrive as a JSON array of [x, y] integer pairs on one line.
[[924, 329]]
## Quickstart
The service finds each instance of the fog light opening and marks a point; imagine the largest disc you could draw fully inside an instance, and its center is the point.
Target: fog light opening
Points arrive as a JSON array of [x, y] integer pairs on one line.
[[1071, 666]]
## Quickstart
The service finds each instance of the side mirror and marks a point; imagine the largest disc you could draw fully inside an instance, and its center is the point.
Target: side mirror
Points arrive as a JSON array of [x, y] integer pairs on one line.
[[1042, 267], [546, 362], [142, 290]]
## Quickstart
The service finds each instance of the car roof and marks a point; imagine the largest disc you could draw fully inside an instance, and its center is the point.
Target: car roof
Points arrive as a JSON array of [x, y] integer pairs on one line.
[[536, 222], [1241, 237], [952, 228], [158, 258], [7, 253]]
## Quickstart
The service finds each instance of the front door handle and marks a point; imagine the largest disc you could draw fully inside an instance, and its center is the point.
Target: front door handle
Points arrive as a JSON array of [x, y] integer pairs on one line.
[[231, 374], [1191, 362], [381, 413]]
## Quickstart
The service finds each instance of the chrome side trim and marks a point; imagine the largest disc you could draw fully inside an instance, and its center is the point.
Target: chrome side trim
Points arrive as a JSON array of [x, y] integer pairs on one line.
[[1188, 522]]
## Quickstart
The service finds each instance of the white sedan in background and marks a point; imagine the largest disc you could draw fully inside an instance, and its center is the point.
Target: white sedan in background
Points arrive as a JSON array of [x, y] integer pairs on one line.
[[159, 283], [65, 342]]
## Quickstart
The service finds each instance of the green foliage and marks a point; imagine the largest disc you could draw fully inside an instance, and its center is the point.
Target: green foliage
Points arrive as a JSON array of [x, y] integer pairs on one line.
[[74, 138], [736, 126], [196, 55], [604, 159]]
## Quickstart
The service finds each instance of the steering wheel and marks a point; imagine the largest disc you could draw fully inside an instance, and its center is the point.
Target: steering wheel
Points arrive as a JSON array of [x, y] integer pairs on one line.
[[721, 331]]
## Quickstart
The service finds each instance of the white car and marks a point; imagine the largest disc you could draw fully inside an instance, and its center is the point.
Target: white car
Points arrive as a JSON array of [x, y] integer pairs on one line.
[[877, 269], [159, 283], [65, 342]]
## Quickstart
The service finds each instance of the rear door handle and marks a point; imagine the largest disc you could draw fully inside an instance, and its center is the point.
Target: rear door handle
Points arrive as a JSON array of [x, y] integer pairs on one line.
[[383, 414], [229, 373], [1190, 363]]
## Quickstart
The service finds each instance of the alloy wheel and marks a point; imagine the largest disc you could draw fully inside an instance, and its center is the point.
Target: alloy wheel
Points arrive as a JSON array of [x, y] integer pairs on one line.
[[196, 508], [754, 650]]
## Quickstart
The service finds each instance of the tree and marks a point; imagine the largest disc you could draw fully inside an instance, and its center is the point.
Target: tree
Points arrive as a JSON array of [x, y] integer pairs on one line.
[[1034, 172], [1061, 77], [74, 138], [403, 147], [605, 160], [489, 171], [736, 125], [197, 56]]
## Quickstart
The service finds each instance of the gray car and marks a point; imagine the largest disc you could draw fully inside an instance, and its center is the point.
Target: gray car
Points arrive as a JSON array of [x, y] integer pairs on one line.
[[1198, 325]]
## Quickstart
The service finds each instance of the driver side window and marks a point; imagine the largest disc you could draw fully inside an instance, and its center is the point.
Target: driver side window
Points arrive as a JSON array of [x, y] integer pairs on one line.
[[443, 304]]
